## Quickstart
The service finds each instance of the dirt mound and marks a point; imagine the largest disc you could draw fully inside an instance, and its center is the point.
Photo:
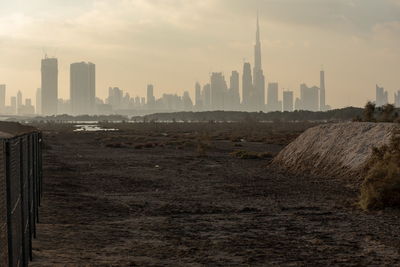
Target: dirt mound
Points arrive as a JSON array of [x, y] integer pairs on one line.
[[335, 149]]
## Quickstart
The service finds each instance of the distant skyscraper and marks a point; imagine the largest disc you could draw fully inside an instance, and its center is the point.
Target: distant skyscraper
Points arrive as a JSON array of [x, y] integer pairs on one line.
[[115, 96], [64, 106], [258, 97], [26, 109], [151, 100], [397, 99], [247, 86], [234, 91], [218, 91], [49, 87], [322, 104], [187, 101], [309, 98], [2, 98], [19, 101], [207, 97], [273, 103], [39, 101], [13, 101], [83, 88], [381, 96], [297, 104], [28, 102], [288, 101], [198, 100]]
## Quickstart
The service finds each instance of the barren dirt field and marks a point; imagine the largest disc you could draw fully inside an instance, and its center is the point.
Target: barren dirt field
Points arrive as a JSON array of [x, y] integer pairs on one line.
[[164, 195]]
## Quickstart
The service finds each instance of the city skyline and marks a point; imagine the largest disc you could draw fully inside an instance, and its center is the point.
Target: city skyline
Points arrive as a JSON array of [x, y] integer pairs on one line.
[[171, 49], [217, 94]]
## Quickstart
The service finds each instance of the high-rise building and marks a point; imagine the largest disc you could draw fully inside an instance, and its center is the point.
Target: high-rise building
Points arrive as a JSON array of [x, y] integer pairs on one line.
[[322, 103], [288, 101], [198, 99], [258, 97], [397, 99], [381, 96], [39, 101], [151, 100], [309, 97], [187, 101], [207, 97], [13, 102], [297, 104], [126, 102], [234, 91], [27, 109], [115, 96], [83, 88], [19, 101], [218, 91], [247, 86], [273, 103], [64, 106], [49, 87], [2, 98]]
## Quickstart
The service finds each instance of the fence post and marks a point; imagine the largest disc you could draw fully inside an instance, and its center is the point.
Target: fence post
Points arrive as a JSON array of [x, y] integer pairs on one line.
[[9, 208]]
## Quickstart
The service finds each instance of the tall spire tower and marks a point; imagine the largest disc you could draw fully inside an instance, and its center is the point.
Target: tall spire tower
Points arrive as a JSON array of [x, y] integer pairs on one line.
[[258, 96]]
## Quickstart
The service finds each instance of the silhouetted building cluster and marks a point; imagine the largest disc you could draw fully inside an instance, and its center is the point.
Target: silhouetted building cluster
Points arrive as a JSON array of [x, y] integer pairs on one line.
[[224, 97], [312, 98], [17, 105], [82, 89], [219, 93], [382, 97]]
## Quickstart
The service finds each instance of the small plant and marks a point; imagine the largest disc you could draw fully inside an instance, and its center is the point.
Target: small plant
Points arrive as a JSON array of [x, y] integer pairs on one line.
[[381, 187]]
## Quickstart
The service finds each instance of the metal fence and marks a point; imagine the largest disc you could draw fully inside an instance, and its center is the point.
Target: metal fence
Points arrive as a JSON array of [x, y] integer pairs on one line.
[[20, 194]]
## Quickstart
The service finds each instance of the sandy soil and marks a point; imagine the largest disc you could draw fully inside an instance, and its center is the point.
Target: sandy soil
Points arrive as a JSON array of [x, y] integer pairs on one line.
[[107, 203], [341, 149]]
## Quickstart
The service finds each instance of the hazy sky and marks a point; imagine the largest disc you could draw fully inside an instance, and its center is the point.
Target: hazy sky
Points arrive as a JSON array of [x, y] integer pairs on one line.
[[174, 43]]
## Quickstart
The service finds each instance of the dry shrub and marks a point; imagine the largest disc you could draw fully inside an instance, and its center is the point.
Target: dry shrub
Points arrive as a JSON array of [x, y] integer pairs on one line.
[[241, 154], [381, 187]]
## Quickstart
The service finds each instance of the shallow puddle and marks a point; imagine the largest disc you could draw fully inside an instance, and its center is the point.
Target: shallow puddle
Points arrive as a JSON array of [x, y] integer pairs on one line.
[[92, 128]]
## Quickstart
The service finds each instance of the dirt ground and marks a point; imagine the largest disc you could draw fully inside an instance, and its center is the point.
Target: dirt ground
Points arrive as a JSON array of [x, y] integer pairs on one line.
[[143, 197]]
